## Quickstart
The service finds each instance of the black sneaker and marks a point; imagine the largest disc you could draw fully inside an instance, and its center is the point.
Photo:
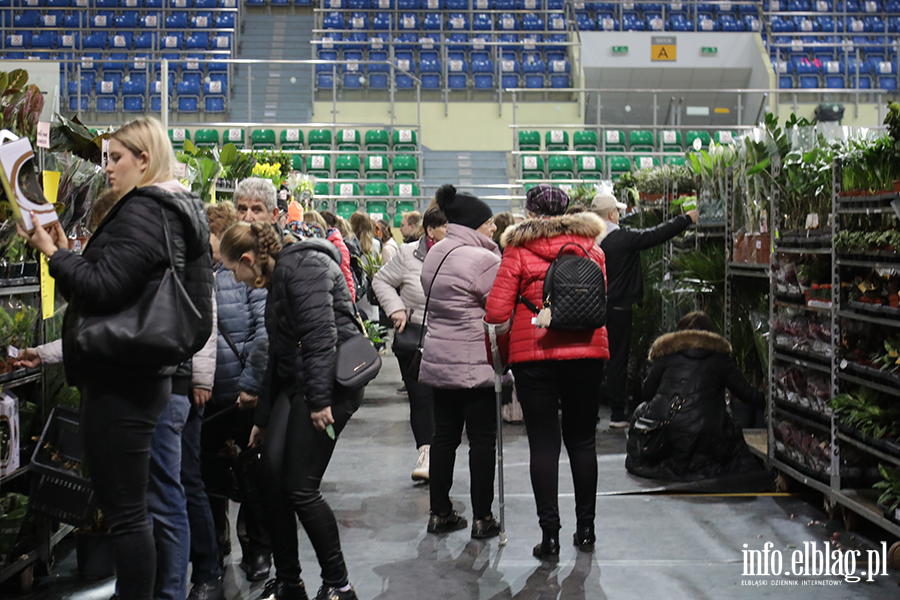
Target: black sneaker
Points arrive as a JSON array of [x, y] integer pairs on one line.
[[485, 528], [446, 523], [332, 593], [281, 590]]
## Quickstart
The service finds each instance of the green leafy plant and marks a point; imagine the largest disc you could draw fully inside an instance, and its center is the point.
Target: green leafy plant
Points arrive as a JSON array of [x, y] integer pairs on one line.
[[664, 178], [20, 104], [889, 487], [202, 168], [236, 165], [865, 411], [375, 332]]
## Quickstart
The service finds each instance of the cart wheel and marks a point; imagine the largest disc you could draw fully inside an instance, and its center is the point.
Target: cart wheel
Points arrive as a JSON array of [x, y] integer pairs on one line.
[[894, 556], [850, 518], [782, 483], [26, 579], [830, 507]]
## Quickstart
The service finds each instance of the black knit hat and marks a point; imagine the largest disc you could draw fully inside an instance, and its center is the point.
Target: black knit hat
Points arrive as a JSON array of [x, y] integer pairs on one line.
[[461, 208]]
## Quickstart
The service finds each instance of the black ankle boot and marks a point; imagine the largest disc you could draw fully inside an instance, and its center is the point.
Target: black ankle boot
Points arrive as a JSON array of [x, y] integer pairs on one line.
[[584, 537], [548, 549]]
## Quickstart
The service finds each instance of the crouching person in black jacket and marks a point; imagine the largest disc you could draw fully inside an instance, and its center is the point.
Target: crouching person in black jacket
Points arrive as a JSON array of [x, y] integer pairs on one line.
[[309, 313]]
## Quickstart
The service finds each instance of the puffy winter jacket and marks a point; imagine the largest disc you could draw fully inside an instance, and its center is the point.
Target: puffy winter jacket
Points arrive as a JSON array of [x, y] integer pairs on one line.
[[702, 440], [127, 251], [242, 314], [335, 237], [530, 248], [398, 284], [309, 313], [454, 355]]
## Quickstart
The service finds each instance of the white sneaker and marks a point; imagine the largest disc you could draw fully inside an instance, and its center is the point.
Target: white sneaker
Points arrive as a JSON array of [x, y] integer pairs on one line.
[[420, 473]]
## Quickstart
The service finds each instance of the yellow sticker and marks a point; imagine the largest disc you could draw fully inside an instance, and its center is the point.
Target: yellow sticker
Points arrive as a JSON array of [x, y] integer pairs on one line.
[[51, 185], [48, 289]]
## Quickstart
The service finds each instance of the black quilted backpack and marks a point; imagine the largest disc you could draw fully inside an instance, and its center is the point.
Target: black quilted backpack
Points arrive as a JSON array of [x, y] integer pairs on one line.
[[574, 294]]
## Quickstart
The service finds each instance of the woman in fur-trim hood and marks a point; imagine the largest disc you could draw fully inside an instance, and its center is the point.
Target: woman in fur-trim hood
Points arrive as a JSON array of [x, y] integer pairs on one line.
[[553, 369], [692, 368]]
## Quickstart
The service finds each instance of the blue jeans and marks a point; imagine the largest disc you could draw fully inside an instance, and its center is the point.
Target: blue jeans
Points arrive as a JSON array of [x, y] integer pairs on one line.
[[204, 545], [166, 502]]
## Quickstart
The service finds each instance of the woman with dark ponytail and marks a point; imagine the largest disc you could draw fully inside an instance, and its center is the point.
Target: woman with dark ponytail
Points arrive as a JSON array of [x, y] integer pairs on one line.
[[309, 313], [455, 363]]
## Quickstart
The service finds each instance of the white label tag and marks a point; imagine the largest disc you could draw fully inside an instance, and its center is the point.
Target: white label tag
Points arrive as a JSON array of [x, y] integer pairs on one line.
[[482, 4], [221, 42], [384, 3], [857, 26], [32, 3], [43, 134], [434, 4], [612, 137], [558, 66], [335, 3], [215, 87], [405, 135], [557, 23], [646, 162], [180, 170], [608, 24], [884, 68], [774, 5], [556, 136], [676, 6], [457, 23], [669, 137], [806, 25], [50, 21], [81, 3], [317, 162], [530, 162], [292, 135], [119, 41], [478, 43], [178, 135], [13, 352], [348, 135], [455, 66], [68, 41], [725, 7], [781, 66], [15, 40], [656, 24], [149, 20], [106, 87], [406, 189], [171, 41], [403, 64], [157, 87], [346, 189], [327, 42], [507, 66], [376, 162], [725, 137], [822, 6], [832, 66], [426, 43], [628, 5], [507, 23], [139, 62], [377, 44], [409, 22], [358, 22], [707, 24], [353, 66], [588, 163], [871, 7], [180, 3], [530, 4], [234, 135], [131, 3], [797, 43], [202, 22], [100, 21], [229, 4], [87, 63], [193, 66], [578, 5], [529, 43]]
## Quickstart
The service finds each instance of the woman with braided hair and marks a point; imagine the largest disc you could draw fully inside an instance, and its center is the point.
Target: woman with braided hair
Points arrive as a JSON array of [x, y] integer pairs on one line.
[[309, 313]]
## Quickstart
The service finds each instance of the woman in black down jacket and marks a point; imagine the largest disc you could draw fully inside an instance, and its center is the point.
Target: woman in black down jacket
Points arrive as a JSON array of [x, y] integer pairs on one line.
[[309, 313], [121, 405], [692, 365]]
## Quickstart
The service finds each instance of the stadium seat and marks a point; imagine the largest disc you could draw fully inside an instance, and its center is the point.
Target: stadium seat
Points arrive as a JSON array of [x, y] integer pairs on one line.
[[206, 137], [377, 189], [377, 140], [291, 139], [348, 139], [585, 141], [614, 141], [319, 165], [509, 73], [619, 165], [376, 166], [405, 166], [703, 136], [177, 136], [532, 167], [560, 167], [670, 141], [590, 167], [556, 140], [534, 71], [641, 141], [262, 138], [347, 166], [404, 140], [234, 136], [347, 190], [406, 190], [319, 139]]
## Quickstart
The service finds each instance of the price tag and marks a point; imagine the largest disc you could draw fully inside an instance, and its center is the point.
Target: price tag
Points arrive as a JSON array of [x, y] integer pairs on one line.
[[406, 190], [292, 135], [12, 352], [556, 136], [100, 21], [43, 135], [48, 289], [376, 162], [669, 137], [202, 22], [588, 163], [318, 162], [234, 135], [530, 162], [507, 23], [612, 137], [346, 189], [508, 66], [215, 87], [405, 135]]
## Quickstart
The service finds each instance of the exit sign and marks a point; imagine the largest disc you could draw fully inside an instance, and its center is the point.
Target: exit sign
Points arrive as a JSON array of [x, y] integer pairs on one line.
[[620, 49], [709, 51]]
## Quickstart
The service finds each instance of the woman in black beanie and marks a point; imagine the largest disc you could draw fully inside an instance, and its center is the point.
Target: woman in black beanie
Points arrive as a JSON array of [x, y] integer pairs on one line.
[[454, 361]]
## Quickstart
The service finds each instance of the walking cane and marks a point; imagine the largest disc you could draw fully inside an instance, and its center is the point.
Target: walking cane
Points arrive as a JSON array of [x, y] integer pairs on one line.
[[494, 332]]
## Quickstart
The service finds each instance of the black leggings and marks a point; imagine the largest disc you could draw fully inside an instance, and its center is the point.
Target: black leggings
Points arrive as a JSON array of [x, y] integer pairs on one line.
[[475, 409], [118, 420], [421, 404], [295, 456], [543, 388]]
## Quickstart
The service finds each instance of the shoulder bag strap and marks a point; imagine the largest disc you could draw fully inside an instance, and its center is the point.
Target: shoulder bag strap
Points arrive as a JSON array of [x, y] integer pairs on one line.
[[428, 297], [233, 346], [165, 224], [559, 254]]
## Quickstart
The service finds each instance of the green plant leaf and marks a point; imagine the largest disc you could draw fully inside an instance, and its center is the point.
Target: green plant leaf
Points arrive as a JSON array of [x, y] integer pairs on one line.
[[229, 155]]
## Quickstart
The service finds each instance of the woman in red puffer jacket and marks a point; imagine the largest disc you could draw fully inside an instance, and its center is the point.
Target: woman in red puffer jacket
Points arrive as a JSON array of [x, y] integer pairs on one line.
[[553, 369]]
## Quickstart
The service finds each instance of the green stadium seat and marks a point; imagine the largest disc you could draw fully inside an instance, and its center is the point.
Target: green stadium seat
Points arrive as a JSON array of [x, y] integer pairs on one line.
[[345, 208], [347, 166], [348, 140], [590, 167], [401, 207], [676, 160], [291, 139], [405, 166], [724, 137], [528, 186], [297, 162], [670, 141], [179, 135], [234, 136], [619, 165], [376, 166], [529, 141], [556, 141], [319, 139], [319, 165], [377, 188], [262, 138], [404, 140], [703, 136], [206, 137], [406, 190], [645, 162], [532, 167], [377, 140], [322, 189], [614, 140], [377, 209], [560, 167], [585, 141], [347, 190], [641, 141]]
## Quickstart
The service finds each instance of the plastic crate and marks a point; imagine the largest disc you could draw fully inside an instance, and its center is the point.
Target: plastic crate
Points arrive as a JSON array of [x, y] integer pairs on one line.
[[57, 492]]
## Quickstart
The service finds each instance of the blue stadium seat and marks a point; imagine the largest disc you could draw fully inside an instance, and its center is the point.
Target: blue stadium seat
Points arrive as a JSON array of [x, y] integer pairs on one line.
[[94, 41], [225, 21], [127, 20], [106, 3], [177, 20], [483, 73], [807, 73], [876, 25], [834, 73], [799, 6], [87, 86], [863, 81], [606, 22], [457, 22], [654, 22], [679, 22], [205, 4], [359, 20], [560, 71], [43, 41], [188, 96], [586, 22], [151, 20], [892, 6], [132, 97], [510, 72], [457, 74], [509, 22], [27, 19], [534, 71], [729, 23], [145, 41], [781, 25], [456, 4], [783, 70], [118, 67], [631, 22], [333, 20], [407, 4], [826, 51], [121, 40], [430, 71], [482, 22], [197, 41], [107, 96], [137, 79], [403, 81], [383, 21], [533, 22], [74, 104]]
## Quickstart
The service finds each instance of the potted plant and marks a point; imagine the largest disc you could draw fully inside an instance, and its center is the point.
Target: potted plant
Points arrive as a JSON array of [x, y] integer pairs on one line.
[[889, 500], [13, 508], [15, 258], [94, 549]]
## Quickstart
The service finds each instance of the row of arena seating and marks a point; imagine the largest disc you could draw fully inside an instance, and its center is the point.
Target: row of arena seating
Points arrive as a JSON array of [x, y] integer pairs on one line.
[[119, 41], [560, 166], [379, 141], [111, 19], [378, 205], [535, 5], [850, 73], [132, 93], [615, 140], [123, 4]]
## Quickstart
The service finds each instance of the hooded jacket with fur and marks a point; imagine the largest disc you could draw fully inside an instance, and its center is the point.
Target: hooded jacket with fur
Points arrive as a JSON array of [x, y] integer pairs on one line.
[[702, 440], [530, 248]]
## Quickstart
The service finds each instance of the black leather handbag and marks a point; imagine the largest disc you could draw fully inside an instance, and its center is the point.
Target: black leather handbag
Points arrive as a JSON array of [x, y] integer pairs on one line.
[[158, 328], [646, 437], [407, 341], [357, 361]]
